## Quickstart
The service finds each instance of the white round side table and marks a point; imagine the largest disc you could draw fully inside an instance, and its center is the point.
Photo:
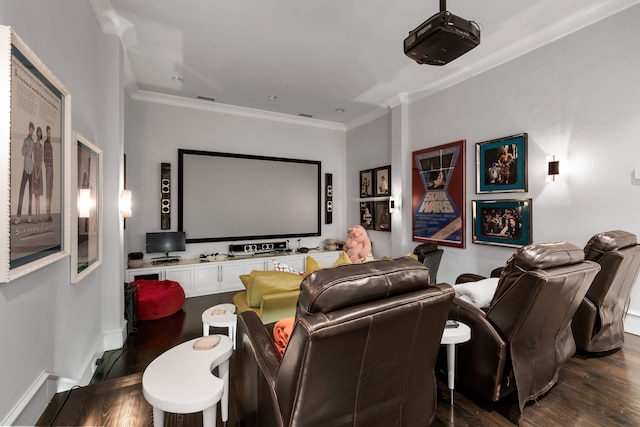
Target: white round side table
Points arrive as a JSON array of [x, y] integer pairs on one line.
[[451, 337], [221, 316]]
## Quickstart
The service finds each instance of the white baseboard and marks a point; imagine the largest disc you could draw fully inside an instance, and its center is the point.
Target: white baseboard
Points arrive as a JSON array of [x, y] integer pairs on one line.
[[632, 322], [34, 401]]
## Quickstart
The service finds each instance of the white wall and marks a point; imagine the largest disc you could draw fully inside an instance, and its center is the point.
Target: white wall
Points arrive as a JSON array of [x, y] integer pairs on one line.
[[577, 96], [368, 148], [50, 328], [157, 126]]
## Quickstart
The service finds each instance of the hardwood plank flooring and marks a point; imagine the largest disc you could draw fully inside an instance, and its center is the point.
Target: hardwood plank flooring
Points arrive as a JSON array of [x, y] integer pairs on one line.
[[591, 391]]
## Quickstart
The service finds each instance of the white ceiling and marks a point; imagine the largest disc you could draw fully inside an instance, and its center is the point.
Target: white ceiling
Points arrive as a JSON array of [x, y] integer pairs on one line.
[[319, 56]]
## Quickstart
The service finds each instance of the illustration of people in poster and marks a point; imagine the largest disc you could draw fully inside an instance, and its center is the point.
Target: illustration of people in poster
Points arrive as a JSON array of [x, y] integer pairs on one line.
[[438, 194], [36, 221]]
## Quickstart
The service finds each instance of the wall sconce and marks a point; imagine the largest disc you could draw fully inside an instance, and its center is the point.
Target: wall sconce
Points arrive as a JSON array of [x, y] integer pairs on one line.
[[84, 203], [553, 169], [125, 203]]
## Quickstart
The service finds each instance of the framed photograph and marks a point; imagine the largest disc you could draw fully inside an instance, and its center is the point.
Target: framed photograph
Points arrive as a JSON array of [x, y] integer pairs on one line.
[[366, 215], [86, 255], [502, 222], [366, 183], [501, 165], [438, 194], [35, 136], [382, 220], [382, 178]]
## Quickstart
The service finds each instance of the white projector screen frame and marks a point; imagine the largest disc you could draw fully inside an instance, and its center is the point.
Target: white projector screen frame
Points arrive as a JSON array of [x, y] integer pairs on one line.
[[226, 197]]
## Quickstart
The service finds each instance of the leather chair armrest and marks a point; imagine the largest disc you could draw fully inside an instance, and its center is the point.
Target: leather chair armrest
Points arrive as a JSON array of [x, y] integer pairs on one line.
[[584, 323], [257, 362], [481, 358], [278, 306], [496, 272], [469, 277]]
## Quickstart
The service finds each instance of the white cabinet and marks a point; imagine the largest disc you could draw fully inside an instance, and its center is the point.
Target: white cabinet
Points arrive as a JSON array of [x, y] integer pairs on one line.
[[218, 277], [182, 275], [229, 276], [224, 276]]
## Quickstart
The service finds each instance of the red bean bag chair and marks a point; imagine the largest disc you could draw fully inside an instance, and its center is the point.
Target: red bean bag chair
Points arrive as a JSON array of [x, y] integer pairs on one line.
[[158, 298]]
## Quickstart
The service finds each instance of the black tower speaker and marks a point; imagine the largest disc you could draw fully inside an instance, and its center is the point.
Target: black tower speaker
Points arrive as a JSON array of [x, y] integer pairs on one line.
[[165, 198], [328, 198]]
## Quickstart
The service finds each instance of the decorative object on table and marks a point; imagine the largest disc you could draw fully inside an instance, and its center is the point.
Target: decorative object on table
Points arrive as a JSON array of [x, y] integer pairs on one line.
[[358, 246], [206, 343], [438, 194], [86, 255], [331, 244], [382, 178], [135, 259], [502, 222], [366, 183], [36, 169], [501, 165]]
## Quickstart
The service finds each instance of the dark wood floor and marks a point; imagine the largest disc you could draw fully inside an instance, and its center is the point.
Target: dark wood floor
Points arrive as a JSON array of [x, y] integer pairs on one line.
[[591, 391]]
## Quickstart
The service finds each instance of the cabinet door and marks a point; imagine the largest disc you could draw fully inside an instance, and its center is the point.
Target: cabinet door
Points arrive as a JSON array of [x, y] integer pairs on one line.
[[206, 279], [182, 275], [230, 276], [255, 264], [295, 261]]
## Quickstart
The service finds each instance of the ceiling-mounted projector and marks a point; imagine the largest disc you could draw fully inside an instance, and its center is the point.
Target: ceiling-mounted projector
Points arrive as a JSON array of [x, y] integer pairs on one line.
[[441, 38]]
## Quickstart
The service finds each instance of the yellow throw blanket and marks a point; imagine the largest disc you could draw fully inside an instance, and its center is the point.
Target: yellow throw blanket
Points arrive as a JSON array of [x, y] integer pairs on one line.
[[281, 333]]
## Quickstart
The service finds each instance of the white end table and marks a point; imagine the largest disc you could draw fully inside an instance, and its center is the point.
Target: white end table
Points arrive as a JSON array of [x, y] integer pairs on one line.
[[221, 316], [451, 337], [180, 381]]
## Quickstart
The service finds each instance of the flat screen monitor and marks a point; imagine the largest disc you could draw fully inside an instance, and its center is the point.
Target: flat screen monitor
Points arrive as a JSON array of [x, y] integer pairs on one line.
[[165, 242], [226, 196]]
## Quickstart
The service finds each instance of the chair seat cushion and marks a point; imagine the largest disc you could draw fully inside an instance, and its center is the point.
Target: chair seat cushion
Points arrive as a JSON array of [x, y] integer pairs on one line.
[[158, 298]]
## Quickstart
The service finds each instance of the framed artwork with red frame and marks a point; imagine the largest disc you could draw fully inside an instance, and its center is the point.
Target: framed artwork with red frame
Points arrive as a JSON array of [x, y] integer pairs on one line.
[[438, 194]]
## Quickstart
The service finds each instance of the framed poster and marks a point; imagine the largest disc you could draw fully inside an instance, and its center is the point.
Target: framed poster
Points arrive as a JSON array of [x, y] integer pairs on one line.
[[438, 194], [501, 165], [382, 178], [86, 238], [35, 114], [366, 215], [502, 222], [382, 215], [366, 183]]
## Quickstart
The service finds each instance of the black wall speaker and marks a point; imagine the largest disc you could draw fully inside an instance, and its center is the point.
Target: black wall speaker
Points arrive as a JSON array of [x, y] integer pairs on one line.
[[165, 196], [328, 198]]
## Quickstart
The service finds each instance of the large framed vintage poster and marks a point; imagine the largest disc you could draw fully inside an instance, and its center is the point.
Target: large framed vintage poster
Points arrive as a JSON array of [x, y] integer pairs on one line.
[[86, 228], [35, 113], [438, 194]]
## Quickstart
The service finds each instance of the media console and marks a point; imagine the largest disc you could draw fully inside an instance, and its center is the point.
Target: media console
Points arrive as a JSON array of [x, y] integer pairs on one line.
[[203, 278]]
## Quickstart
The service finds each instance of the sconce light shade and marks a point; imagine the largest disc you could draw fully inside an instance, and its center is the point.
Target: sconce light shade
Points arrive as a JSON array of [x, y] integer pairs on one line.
[[125, 204], [84, 203], [554, 167]]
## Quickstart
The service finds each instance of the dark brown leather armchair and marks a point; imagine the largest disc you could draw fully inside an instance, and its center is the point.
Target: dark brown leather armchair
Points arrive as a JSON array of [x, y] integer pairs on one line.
[[598, 325], [519, 342], [362, 351]]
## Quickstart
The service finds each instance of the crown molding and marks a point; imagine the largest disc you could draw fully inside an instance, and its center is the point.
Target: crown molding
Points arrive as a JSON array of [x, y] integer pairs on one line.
[[179, 101]]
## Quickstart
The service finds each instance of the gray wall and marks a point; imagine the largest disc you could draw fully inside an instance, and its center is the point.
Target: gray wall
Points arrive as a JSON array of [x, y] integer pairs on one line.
[[577, 96], [157, 126], [51, 329]]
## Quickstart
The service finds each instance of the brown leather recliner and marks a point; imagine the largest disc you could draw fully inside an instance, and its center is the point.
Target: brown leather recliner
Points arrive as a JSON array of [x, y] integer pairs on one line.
[[598, 325], [519, 342], [362, 351]]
